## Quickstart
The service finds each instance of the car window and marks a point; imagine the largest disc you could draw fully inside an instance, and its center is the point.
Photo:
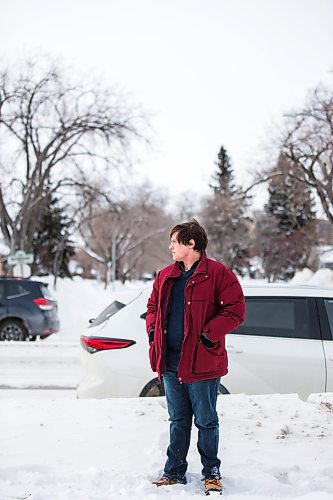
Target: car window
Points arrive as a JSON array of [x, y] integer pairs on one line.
[[277, 317], [329, 310], [15, 289], [2, 291]]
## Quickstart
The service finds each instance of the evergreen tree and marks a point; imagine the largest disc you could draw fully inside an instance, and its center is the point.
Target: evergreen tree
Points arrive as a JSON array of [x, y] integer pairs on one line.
[[223, 179], [51, 245], [290, 200], [288, 238], [224, 218]]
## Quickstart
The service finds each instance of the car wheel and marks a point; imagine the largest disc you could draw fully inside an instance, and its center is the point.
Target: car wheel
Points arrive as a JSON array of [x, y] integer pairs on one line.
[[223, 390], [43, 337], [12, 329], [154, 388]]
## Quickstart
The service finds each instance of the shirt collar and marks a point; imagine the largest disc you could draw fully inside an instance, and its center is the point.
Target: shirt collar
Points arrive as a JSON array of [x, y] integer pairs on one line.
[[192, 268]]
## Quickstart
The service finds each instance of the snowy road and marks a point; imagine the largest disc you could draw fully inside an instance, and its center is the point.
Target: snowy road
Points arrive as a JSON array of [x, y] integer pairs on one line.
[[39, 365], [28, 394]]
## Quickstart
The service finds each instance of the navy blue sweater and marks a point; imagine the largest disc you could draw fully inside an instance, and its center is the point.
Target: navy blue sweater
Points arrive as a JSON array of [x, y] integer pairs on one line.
[[175, 325]]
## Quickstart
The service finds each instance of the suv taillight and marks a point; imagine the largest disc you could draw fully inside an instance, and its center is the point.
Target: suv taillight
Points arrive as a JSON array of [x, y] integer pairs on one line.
[[43, 304], [96, 344]]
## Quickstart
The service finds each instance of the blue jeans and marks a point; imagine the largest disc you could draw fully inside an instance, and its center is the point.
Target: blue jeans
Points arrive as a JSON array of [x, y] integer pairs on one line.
[[185, 400]]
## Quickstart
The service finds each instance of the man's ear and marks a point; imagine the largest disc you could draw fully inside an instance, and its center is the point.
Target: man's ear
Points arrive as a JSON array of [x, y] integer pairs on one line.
[[191, 243]]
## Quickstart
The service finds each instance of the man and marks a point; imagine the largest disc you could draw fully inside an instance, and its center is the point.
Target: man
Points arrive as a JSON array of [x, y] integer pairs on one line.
[[195, 302]]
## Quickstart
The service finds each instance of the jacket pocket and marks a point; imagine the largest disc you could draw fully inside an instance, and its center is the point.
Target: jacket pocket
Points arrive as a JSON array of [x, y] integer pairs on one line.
[[208, 360], [152, 356]]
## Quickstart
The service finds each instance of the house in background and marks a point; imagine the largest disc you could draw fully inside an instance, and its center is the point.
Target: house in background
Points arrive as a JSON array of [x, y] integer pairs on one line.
[[324, 249], [325, 256]]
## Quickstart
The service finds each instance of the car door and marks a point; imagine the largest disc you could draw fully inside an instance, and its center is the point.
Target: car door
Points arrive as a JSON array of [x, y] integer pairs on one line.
[[2, 300], [278, 349], [325, 307]]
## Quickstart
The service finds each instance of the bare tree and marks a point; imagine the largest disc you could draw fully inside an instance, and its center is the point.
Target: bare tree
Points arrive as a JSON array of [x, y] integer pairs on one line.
[[309, 144], [306, 140], [131, 241], [57, 132], [282, 253], [187, 204]]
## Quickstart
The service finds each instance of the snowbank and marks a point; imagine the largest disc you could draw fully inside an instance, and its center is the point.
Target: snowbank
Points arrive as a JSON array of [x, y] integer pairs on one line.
[[271, 447], [322, 277]]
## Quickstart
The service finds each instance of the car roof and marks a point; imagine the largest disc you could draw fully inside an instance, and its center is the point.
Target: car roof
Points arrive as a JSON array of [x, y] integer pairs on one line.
[[19, 278], [279, 289]]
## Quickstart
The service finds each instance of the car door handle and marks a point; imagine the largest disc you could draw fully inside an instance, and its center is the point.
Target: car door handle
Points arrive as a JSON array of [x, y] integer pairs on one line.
[[232, 348]]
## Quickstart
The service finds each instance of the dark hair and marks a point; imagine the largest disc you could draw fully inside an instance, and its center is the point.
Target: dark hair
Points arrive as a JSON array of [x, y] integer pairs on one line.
[[191, 230]]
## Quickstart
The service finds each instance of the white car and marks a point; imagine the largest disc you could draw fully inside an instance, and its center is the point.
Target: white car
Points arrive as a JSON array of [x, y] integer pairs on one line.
[[285, 345]]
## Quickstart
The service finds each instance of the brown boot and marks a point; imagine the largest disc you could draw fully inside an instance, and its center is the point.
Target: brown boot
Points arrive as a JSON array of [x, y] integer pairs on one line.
[[213, 485], [165, 481]]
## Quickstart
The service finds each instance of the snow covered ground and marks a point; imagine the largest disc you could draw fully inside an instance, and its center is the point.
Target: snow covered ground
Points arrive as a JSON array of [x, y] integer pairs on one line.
[[271, 447], [53, 446]]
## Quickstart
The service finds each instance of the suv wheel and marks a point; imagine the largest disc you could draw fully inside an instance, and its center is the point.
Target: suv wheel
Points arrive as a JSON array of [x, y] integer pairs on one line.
[[12, 329]]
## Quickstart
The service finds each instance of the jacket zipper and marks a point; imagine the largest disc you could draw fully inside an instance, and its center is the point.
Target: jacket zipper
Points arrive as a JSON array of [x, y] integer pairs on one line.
[[187, 322], [165, 320]]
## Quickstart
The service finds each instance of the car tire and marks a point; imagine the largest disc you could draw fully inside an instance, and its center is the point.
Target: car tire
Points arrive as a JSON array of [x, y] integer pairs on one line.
[[43, 337], [154, 388], [223, 390], [13, 329]]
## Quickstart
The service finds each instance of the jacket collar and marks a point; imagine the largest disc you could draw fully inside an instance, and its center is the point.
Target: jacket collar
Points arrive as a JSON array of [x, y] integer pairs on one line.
[[201, 267]]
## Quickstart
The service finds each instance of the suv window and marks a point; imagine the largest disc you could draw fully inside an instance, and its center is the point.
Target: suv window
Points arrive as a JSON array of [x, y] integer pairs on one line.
[[15, 289], [278, 317], [2, 290], [329, 310]]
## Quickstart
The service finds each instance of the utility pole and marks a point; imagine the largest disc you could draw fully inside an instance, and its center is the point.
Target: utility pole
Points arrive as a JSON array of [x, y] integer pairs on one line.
[[113, 260]]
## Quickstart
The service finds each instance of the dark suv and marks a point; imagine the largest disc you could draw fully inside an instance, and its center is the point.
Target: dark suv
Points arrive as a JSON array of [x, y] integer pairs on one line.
[[26, 310]]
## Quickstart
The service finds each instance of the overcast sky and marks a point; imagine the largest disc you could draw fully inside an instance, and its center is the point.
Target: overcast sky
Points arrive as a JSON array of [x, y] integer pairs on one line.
[[211, 72]]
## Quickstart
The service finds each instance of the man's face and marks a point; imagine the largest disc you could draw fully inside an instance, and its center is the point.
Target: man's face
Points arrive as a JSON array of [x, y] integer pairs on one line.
[[178, 250]]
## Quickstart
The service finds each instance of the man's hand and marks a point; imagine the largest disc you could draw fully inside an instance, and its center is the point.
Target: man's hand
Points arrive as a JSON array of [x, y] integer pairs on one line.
[[151, 335], [206, 341]]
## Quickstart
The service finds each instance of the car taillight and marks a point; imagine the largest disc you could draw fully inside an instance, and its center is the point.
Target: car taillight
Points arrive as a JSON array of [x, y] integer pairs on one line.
[[96, 344], [43, 304]]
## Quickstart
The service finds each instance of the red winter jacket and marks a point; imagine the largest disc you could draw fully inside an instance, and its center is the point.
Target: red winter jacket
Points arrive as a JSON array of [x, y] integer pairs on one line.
[[214, 304]]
